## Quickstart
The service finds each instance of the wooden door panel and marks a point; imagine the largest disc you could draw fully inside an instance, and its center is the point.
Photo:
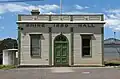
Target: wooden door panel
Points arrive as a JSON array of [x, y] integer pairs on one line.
[[61, 51]]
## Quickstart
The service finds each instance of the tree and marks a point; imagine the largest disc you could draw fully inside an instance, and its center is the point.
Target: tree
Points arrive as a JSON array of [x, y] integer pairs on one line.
[[7, 43]]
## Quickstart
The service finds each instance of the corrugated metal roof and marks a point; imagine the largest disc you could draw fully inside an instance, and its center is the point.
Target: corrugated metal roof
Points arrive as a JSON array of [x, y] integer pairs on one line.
[[112, 41]]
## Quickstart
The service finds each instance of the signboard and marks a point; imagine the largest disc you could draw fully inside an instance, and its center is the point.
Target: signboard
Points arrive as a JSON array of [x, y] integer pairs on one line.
[[35, 25], [60, 25], [86, 25]]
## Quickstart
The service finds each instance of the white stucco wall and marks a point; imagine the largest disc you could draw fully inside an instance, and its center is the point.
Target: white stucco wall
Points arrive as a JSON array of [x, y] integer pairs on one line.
[[26, 59], [78, 60], [96, 50], [9, 57]]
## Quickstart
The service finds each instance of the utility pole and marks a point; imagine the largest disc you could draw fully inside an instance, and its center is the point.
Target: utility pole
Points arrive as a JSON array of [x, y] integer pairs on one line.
[[114, 37], [114, 34]]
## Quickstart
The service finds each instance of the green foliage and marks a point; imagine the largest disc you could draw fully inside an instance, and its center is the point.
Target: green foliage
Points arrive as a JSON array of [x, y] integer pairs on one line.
[[8, 43], [6, 67]]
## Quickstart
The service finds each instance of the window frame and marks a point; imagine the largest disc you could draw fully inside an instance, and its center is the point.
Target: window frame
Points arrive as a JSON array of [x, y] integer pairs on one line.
[[31, 54], [86, 36]]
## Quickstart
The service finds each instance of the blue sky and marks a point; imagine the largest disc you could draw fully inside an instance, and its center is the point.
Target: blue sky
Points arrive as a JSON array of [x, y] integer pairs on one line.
[[110, 9]]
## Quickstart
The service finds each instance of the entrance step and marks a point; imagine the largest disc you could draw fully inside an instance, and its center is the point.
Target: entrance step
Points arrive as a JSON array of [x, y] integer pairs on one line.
[[61, 70]]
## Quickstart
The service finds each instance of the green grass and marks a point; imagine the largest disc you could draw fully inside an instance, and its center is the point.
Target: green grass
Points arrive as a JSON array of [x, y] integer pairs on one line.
[[112, 63], [6, 67]]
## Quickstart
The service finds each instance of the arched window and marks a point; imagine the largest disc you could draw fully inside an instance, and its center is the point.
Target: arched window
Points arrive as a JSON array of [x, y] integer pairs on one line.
[[61, 38]]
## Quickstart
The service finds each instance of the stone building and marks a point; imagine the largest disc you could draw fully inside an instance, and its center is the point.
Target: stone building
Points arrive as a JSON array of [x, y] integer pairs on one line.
[[60, 40]]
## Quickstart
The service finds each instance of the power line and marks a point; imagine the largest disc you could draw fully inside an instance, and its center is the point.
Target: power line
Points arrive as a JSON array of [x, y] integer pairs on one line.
[[18, 1]]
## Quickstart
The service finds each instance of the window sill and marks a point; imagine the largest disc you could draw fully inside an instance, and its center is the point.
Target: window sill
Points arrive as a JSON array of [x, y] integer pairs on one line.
[[36, 57], [87, 56]]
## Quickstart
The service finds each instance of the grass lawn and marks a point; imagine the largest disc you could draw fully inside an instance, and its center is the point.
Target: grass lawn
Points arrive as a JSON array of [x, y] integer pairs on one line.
[[6, 67], [114, 62]]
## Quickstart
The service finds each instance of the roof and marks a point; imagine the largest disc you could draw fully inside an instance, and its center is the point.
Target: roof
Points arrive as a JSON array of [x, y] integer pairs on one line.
[[6, 50], [66, 14], [61, 22], [111, 41]]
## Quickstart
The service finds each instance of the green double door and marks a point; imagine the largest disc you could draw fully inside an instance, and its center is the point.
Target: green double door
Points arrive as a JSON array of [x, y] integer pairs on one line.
[[61, 53]]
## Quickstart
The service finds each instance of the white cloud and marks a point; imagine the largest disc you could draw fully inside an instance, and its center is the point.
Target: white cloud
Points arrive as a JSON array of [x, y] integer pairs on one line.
[[113, 11], [112, 18], [2, 28], [15, 8], [79, 12], [1, 17], [86, 7], [74, 12], [22, 7], [81, 7], [50, 13], [48, 7], [94, 5]]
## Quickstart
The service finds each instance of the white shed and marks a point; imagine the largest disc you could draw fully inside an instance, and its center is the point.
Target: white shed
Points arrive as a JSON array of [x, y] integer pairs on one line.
[[9, 56]]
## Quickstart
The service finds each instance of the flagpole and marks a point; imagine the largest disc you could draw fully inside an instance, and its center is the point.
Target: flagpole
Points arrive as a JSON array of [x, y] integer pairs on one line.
[[61, 9]]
